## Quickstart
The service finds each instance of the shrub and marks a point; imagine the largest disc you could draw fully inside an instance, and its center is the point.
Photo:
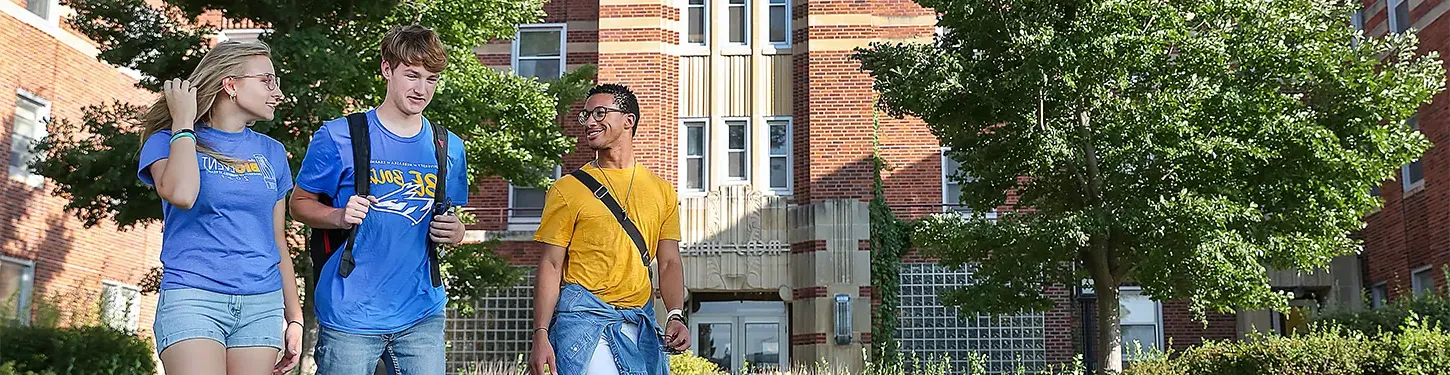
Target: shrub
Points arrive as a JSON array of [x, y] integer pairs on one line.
[[1433, 308], [75, 351], [1413, 348], [691, 364]]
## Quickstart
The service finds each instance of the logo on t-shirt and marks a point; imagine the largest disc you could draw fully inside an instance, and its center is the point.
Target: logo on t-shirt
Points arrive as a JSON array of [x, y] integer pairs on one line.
[[407, 190], [242, 171]]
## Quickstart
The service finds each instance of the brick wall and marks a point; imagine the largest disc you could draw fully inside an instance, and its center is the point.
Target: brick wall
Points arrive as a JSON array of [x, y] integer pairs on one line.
[[1413, 228], [70, 260]]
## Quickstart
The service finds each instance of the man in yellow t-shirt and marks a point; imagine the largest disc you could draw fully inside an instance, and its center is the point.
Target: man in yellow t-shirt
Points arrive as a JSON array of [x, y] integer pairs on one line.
[[602, 321]]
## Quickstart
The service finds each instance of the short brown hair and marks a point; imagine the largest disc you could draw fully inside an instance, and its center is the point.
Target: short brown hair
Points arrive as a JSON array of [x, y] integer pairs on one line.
[[414, 45]]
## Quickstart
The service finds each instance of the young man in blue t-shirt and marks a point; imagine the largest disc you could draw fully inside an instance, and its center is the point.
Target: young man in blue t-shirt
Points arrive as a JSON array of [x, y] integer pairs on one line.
[[387, 307]]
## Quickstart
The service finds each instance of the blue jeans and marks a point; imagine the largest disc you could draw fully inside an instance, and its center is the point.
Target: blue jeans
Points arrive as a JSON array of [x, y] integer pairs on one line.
[[581, 320], [416, 350]]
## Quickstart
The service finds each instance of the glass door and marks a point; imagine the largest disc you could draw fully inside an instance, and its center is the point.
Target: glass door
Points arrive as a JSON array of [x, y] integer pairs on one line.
[[743, 337], [713, 341]]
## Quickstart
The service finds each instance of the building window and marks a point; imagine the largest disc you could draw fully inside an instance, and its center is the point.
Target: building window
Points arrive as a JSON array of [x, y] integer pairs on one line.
[[526, 204], [30, 119], [43, 8], [1141, 323], [120, 306], [1399, 15], [1422, 281], [951, 186], [780, 145], [780, 23], [16, 277], [931, 330], [1357, 20], [539, 51], [697, 14], [1413, 174], [739, 22], [737, 149], [696, 154], [1379, 295]]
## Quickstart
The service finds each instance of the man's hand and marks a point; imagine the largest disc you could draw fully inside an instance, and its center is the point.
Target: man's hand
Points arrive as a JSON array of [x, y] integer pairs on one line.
[[677, 336], [446, 229], [357, 210], [541, 360]]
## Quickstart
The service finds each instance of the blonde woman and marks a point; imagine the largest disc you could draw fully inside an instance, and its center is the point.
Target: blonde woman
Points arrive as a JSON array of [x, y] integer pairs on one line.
[[228, 304]]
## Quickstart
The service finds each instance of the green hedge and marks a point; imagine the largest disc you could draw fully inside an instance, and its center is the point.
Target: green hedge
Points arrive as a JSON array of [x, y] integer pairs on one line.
[[1432, 308], [1414, 348], [75, 351]]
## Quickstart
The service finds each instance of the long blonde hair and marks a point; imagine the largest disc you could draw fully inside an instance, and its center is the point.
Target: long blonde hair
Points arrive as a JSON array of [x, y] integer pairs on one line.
[[224, 60]]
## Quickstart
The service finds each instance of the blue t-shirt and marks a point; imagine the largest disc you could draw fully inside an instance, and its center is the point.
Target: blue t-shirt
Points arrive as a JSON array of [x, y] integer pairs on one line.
[[391, 287], [226, 242]]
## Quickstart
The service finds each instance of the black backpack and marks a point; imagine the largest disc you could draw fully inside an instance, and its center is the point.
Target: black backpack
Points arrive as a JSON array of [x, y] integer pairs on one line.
[[324, 242]]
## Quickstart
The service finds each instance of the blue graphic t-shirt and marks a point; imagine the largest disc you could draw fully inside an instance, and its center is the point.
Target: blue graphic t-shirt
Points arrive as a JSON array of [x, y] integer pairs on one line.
[[391, 288], [226, 242]]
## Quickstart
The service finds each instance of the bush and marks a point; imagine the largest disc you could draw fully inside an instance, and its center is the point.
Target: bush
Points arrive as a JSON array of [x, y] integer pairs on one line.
[[1414, 348], [74, 351], [8, 368], [1433, 308], [691, 364]]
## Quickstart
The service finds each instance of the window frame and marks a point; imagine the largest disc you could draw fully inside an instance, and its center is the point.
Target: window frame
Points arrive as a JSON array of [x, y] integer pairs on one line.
[[684, 182], [563, 58], [27, 287], [731, 48], [946, 204], [52, 11], [1416, 286], [747, 151], [1394, 23], [43, 112], [789, 155], [778, 47], [133, 314], [685, 6], [1379, 295], [1123, 292], [1414, 123], [527, 222]]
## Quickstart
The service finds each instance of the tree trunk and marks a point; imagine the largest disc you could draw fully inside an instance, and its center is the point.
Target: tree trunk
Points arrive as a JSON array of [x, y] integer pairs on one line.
[[1110, 338]]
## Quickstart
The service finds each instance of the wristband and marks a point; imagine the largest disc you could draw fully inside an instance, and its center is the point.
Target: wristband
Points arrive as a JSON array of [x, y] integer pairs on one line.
[[299, 323], [184, 133], [536, 330]]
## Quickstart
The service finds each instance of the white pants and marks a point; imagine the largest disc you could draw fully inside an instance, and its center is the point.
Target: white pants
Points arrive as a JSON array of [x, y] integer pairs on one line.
[[602, 363]]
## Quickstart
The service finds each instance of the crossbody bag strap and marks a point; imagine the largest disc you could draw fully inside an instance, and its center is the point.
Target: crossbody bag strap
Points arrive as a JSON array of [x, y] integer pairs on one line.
[[602, 193]]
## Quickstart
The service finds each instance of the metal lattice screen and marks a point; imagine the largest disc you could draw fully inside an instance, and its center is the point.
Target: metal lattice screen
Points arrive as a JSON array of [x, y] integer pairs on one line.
[[928, 330], [498, 331]]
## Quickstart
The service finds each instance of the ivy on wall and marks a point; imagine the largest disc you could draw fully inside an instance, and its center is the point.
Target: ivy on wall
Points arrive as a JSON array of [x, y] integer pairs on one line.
[[889, 241]]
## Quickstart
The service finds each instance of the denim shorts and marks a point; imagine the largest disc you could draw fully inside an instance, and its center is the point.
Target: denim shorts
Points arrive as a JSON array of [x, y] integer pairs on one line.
[[235, 321]]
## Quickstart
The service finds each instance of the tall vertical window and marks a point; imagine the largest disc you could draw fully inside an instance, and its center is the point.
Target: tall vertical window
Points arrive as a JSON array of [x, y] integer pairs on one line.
[[1413, 174], [780, 144], [737, 149], [1399, 15], [1422, 281], [43, 8], [1379, 295], [15, 279], [779, 22], [30, 117], [696, 156], [951, 188], [539, 51], [739, 21], [697, 15], [120, 306], [1141, 323], [526, 204], [1357, 20]]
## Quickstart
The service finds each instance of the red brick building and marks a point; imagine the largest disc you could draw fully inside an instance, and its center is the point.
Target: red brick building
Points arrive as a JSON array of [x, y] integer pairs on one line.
[[1408, 240], [47, 259], [756, 111]]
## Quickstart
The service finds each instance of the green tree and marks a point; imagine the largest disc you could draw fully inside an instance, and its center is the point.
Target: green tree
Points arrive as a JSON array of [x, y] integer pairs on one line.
[[1184, 145], [326, 54]]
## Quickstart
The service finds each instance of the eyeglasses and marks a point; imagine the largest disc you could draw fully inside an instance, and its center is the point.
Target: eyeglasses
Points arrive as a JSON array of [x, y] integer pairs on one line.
[[268, 79], [597, 114]]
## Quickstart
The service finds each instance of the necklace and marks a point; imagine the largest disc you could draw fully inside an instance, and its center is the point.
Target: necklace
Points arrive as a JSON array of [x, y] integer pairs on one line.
[[627, 193]]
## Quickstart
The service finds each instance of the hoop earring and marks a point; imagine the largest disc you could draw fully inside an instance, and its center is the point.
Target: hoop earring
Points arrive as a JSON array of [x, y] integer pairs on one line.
[[234, 98]]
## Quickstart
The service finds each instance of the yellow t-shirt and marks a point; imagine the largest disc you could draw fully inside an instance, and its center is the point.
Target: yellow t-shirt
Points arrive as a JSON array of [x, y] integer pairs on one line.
[[601, 257]]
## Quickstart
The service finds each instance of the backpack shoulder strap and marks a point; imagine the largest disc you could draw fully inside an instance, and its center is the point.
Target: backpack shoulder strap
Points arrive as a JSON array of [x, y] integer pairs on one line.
[[603, 194], [440, 150], [357, 126]]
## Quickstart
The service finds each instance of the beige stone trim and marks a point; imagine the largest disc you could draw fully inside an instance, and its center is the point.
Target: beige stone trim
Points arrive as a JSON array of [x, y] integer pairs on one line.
[[54, 30], [635, 2], [582, 25], [864, 20], [630, 23], [636, 47], [1434, 14], [508, 49]]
